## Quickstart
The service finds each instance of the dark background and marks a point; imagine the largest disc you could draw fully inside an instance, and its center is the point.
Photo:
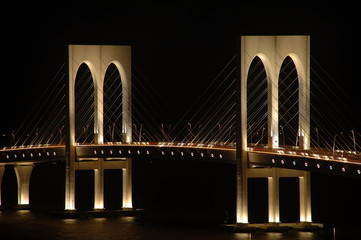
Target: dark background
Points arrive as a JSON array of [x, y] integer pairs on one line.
[[179, 48]]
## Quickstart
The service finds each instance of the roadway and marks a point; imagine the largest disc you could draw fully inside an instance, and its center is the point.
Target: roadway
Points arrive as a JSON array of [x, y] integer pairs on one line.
[[345, 163]]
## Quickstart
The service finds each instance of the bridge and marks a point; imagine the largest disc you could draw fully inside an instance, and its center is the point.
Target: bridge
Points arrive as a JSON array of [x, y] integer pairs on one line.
[[90, 126]]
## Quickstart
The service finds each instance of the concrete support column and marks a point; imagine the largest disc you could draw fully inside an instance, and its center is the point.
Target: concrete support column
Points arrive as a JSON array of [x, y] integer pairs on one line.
[[23, 174], [242, 198], [70, 180], [241, 136], [273, 197], [305, 197], [127, 184], [2, 170], [99, 185]]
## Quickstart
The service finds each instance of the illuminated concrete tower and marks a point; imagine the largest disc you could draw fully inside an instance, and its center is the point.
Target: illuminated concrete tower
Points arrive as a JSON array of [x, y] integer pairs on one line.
[[98, 58], [272, 51]]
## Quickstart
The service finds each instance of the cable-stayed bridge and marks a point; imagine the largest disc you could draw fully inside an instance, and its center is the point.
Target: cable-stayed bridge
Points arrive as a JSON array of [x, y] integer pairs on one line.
[[262, 113]]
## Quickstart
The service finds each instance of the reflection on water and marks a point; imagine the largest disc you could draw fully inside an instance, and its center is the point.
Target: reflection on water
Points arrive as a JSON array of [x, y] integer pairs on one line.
[[29, 225]]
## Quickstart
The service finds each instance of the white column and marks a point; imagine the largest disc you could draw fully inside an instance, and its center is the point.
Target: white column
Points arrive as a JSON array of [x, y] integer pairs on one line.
[[272, 96], [98, 112], [2, 170], [305, 197], [23, 174], [127, 184], [99, 185], [242, 198], [241, 155], [70, 180], [273, 197]]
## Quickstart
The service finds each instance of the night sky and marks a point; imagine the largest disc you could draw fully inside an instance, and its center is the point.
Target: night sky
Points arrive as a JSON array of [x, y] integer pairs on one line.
[[179, 47]]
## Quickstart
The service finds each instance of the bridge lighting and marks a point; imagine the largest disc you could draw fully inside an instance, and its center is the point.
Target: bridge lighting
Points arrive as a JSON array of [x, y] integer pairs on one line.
[[334, 143]]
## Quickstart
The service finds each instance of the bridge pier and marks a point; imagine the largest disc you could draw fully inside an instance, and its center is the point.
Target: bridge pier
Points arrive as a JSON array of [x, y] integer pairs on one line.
[[305, 197], [70, 179], [23, 174], [98, 166], [273, 175], [273, 197], [99, 185], [127, 184]]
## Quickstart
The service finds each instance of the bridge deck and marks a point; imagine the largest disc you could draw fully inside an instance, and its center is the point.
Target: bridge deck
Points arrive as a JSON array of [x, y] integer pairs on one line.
[[316, 160]]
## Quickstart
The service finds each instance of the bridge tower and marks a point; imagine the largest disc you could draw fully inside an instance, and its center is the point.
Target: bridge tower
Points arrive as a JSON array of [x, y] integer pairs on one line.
[[272, 51], [98, 58]]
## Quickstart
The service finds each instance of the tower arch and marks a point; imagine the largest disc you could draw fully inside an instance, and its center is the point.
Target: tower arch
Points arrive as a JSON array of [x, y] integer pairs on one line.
[[272, 50], [303, 100], [84, 91], [97, 58], [257, 101]]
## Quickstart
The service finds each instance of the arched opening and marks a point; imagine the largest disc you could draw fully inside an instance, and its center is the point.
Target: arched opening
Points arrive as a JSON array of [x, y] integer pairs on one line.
[[288, 108], [257, 121], [112, 105], [84, 105]]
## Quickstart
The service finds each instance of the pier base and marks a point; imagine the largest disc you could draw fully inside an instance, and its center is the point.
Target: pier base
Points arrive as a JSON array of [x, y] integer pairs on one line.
[[274, 227], [96, 213]]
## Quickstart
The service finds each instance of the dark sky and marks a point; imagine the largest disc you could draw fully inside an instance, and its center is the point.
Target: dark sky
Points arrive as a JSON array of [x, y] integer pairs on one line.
[[179, 47]]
